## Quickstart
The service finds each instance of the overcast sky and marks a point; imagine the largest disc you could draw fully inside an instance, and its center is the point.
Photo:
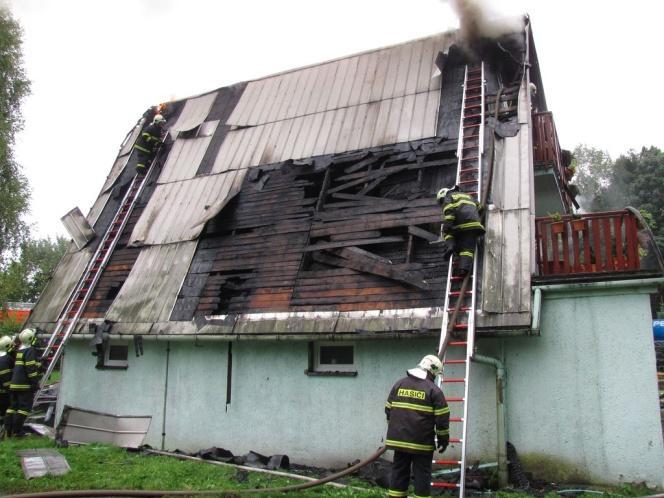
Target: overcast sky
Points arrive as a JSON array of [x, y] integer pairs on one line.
[[96, 66]]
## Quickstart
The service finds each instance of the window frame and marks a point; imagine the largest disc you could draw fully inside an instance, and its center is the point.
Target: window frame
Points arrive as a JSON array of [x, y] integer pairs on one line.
[[109, 363], [329, 369]]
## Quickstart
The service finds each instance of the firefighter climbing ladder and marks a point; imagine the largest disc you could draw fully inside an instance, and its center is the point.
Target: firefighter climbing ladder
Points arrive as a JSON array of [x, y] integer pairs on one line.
[[82, 292], [456, 350]]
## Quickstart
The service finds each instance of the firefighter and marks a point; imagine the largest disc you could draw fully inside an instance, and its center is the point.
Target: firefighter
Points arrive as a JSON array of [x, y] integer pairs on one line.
[[23, 385], [461, 226], [416, 410], [148, 143], [6, 365]]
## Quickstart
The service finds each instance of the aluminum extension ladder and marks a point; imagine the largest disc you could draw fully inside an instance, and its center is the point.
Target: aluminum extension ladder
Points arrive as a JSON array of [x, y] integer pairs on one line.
[[457, 338], [81, 294]]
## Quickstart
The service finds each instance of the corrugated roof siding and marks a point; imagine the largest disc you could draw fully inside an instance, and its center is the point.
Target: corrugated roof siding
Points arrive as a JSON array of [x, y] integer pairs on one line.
[[194, 112], [383, 74], [149, 293], [383, 97], [116, 171], [367, 125], [178, 211], [186, 155], [62, 283]]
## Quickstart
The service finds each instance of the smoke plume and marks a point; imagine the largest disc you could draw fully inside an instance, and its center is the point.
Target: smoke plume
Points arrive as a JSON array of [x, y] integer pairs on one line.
[[478, 20]]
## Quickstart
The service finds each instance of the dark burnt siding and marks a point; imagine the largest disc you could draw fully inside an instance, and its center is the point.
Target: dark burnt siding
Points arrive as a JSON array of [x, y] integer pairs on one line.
[[330, 233]]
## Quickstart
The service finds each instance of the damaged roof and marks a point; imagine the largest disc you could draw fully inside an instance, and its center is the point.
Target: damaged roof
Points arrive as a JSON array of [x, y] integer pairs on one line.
[[306, 195]]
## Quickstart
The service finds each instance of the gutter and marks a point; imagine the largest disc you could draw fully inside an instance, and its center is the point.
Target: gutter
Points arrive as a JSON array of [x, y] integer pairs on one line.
[[648, 285], [501, 424]]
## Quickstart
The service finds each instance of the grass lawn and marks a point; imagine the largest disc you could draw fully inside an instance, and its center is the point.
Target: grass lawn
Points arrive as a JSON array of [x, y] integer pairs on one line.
[[107, 467]]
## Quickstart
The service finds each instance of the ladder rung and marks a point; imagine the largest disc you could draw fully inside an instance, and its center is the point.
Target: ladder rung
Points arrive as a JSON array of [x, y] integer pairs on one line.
[[454, 362], [455, 379], [455, 440], [472, 106], [463, 308], [473, 116], [456, 419], [458, 343], [471, 137], [457, 293], [461, 326], [447, 462], [468, 181], [454, 400], [473, 158], [444, 485]]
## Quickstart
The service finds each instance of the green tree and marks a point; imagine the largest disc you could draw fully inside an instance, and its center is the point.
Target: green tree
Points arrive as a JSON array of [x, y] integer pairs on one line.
[[641, 176], [24, 278], [14, 86], [594, 178]]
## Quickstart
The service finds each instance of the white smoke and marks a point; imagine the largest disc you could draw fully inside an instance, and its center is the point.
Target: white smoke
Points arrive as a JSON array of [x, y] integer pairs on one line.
[[485, 19]]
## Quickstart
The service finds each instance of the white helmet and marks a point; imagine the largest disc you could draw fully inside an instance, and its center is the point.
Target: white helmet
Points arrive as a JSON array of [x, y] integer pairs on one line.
[[26, 336], [432, 364], [158, 119], [443, 192], [5, 342]]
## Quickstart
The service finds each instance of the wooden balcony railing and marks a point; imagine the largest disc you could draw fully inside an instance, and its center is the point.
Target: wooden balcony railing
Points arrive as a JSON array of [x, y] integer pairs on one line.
[[591, 243], [547, 153]]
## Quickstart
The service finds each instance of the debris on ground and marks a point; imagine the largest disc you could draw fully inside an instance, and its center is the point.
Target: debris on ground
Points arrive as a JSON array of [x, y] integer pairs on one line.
[[38, 463]]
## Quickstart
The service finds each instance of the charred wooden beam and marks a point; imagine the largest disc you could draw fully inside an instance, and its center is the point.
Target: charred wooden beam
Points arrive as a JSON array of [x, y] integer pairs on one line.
[[354, 242], [421, 233]]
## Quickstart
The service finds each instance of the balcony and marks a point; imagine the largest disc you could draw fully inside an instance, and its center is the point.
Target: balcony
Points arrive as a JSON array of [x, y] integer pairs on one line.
[[551, 184], [595, 245]]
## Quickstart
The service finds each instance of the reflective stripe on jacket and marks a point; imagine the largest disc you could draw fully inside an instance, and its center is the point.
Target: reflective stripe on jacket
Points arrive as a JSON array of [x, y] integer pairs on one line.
[[6, 365], [149, 140], [416, 410], [460, 213], [26, 374]]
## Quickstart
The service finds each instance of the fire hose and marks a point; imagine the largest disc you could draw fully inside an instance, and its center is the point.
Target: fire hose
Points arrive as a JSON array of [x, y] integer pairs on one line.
[[212, 492]]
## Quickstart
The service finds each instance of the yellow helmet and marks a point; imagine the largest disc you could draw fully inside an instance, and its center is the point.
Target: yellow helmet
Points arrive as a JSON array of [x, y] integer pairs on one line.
[[158, 119]]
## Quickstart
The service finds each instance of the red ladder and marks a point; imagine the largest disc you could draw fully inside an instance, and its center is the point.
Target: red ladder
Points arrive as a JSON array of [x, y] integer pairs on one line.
[[79, 297], [457, 336]]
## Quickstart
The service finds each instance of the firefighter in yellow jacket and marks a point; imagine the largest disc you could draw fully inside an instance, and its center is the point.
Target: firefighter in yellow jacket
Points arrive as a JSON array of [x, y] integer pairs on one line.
[[461, 226], [148, 143], [23, 385], [416, 411]]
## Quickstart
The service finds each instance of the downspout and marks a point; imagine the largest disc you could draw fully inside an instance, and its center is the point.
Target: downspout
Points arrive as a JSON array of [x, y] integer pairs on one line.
[[163, 415], [500, 416], [536, 310]]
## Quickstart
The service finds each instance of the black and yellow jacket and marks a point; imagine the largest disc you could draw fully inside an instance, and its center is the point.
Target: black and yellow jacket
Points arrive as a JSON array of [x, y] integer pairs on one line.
[[460, 213], [6, 365], [149, 140], [26, 372], [416, 410]]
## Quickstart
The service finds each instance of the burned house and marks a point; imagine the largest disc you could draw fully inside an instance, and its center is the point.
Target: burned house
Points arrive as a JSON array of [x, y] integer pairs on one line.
[[273, 275]]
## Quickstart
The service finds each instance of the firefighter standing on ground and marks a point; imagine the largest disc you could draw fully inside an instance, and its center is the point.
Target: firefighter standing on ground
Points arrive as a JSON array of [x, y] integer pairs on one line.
[[23, 385], [6, 365], [148, 143], [461, 226], [416, 410]]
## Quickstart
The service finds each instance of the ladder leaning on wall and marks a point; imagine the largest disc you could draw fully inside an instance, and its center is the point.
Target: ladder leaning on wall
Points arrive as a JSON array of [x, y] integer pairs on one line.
[[78, 299], [457, 338]]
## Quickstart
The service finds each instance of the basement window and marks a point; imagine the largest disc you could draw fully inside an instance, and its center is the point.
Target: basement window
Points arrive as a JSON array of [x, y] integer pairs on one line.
[[116, 356], [332, 358]]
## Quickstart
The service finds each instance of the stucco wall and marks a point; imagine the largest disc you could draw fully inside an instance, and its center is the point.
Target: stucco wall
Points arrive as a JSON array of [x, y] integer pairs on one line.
[[582, 397], [585, 392]]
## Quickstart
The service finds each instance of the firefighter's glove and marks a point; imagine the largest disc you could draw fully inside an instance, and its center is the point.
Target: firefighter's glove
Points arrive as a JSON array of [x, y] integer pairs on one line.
[[442, 444], [448, 249]]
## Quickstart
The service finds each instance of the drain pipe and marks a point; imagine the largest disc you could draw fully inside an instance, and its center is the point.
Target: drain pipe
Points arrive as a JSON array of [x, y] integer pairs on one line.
[[500, 415]]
